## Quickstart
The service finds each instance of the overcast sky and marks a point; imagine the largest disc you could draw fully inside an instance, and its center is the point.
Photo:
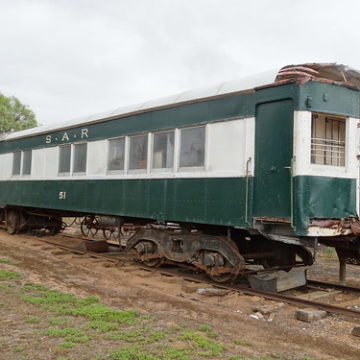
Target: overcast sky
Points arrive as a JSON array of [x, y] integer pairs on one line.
[[70, 58]]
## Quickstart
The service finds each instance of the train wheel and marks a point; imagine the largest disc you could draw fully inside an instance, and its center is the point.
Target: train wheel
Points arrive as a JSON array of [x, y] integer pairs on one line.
[[153, 262], [147, 251], [89, 226], [12, 222], [219, 267], [221, 278]]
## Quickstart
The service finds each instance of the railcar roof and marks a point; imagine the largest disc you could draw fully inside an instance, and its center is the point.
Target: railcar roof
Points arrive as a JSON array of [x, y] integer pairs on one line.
[[325, 72]]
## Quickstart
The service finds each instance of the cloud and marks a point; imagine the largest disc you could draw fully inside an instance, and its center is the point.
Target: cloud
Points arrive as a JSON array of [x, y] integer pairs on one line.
[[71, 58]]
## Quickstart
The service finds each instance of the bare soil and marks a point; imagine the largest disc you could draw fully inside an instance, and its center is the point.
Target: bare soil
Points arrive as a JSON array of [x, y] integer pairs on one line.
[[171, 300]]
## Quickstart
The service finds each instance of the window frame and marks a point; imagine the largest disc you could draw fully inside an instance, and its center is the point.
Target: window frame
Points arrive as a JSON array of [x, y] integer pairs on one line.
[[13, 163], [72, 160], [194, 168], [342, 160], [22, 164], [152, 144], [124, 170], [78, 173], [138, 170], [71, 155]]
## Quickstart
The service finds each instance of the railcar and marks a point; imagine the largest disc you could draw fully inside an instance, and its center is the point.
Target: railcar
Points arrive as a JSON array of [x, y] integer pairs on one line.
[[256, 171]]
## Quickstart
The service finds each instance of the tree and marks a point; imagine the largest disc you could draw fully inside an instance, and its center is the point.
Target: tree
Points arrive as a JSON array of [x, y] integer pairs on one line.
[[14, 115]]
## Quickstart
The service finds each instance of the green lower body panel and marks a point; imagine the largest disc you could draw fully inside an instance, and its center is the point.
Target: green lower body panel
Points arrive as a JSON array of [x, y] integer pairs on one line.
[[218, 201], [322, 197], [214, 201]]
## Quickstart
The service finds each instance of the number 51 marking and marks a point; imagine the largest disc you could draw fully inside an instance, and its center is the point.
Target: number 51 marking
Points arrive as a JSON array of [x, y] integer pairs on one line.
[[62, 195]]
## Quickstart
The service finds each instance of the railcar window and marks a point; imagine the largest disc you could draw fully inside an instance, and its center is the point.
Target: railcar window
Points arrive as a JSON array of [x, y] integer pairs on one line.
[[16, 163], [26, 165], [64, 159], [328, 140], [116, 157], [138, 152], [80, 152], [163, 150], [192, 147]]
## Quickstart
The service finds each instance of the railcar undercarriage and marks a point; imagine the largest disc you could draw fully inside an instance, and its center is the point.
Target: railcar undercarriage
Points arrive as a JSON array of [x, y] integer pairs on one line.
[[221, 252]]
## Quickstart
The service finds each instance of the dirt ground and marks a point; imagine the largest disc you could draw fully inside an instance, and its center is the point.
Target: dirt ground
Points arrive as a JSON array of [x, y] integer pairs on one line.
[[171, 299]]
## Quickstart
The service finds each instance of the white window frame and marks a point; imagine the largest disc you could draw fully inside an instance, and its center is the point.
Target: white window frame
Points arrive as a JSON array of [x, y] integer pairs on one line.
[[21, 173], [116, 172], [71, 155], [137, 171], [193, 168], [79, 173], [161, 170], [72, 158], [13, 159], [331, 166]]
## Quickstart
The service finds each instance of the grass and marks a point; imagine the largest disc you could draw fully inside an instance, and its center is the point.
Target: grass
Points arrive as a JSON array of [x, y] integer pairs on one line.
[[128, 336], [69, 334], [243, 342], [7, 261], [213, 348], [59, 321], [78, 325], [68, 345], [6, 275], [174, 353], [132, 353], [104, 313], [101, 325], [32, 320]]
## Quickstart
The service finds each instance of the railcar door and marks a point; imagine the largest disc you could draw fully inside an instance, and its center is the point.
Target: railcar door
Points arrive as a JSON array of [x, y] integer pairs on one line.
[[273, 154]]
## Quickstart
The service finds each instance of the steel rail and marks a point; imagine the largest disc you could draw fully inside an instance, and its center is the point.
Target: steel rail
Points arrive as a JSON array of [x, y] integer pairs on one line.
[[322, 284]]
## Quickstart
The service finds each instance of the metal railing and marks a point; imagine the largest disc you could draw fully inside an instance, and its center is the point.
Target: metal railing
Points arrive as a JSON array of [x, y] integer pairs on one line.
[[327, 152]]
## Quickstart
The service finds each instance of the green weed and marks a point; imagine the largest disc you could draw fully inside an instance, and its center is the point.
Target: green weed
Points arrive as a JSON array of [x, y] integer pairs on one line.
[[103, 326], [104, 313], [213, 348], [9, 275], [59, 321], [132, 354], [6, 286], [157, 335], [7, 261], [34, 286], [70, 334], [54, 300], [32, 319], [242, 342], [19, 348], [68, 345], [205, 328], [173, 353], [130, 336]]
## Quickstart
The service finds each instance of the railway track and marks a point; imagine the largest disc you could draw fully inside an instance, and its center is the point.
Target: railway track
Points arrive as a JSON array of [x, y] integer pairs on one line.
[[118, 257]]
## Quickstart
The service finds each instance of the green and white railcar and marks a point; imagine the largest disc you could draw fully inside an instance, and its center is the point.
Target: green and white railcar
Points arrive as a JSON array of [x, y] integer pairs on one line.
[[256, 169]]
